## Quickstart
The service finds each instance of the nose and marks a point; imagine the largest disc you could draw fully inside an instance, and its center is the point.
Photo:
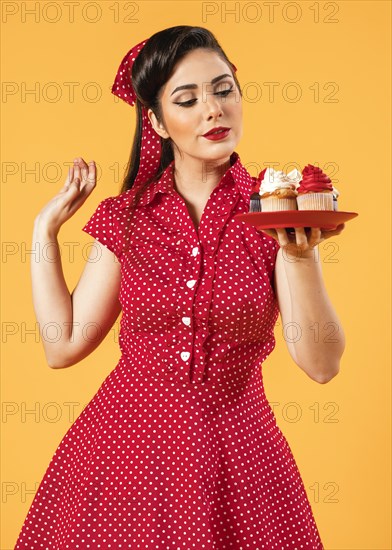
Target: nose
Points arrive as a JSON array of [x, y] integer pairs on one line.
[[213, 106]]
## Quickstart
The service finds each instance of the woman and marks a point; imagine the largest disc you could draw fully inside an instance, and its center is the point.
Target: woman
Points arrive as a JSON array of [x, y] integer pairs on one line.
[[179, 447]]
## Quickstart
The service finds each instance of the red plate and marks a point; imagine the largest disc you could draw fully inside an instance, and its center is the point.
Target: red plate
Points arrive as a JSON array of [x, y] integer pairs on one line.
[[325, 219]]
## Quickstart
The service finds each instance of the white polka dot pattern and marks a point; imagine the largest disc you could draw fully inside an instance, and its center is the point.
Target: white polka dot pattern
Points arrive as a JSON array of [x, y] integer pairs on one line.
[[122, 85], [150, 153], [179, 448]]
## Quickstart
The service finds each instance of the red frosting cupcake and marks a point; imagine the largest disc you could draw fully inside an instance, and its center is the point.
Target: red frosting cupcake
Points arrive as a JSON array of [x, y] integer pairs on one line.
[[315, 192]]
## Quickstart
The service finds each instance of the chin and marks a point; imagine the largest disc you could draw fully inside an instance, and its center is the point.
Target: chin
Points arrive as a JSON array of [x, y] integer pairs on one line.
[[220, 158], [217, 150]]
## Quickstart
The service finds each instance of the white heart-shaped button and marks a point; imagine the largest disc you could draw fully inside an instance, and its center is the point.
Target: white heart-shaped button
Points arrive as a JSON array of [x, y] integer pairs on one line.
[[191, 283], [185, 355], [186, 321]]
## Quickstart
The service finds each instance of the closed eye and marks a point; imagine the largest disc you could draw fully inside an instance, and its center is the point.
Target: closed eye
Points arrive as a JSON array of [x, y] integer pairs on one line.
[[189, 103]]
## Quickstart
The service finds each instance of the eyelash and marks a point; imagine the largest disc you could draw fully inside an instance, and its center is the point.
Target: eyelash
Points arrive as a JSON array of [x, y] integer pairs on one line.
[[189, 103]]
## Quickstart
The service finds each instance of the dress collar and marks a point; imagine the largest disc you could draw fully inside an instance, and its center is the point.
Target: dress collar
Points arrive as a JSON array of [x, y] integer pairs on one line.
[[236, 176]]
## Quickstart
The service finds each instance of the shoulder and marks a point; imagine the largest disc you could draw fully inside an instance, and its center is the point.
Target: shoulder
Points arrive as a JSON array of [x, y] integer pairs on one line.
[[120, 201], [115, 205]]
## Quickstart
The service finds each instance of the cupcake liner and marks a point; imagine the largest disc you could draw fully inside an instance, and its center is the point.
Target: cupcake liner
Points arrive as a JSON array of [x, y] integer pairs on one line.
[[315, 201], [255, 203], [272, 204]]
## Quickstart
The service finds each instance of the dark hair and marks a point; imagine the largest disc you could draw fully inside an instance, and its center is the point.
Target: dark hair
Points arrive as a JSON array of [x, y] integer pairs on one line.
[[151, 70]]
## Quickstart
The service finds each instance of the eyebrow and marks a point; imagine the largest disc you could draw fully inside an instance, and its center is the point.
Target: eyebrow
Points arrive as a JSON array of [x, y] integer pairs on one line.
[[193, 86]]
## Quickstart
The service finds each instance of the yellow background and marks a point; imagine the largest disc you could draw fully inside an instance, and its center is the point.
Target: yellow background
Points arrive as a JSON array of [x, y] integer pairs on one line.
[[339, 432]]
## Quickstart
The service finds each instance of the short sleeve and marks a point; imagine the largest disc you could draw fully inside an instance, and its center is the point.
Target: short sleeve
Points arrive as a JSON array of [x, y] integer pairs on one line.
[[102, 226]]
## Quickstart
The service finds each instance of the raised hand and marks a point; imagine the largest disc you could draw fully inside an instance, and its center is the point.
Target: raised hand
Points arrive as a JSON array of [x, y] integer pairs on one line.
[[80, 182]]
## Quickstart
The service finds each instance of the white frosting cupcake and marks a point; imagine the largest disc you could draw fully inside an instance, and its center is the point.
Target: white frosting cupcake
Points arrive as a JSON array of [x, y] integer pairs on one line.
[[278, 190]]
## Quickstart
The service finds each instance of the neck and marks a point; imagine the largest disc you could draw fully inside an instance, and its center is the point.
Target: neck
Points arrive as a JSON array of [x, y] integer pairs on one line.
[[198, 178]]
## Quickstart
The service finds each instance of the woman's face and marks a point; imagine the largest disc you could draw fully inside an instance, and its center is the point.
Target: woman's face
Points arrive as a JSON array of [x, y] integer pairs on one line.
[[190, 113]]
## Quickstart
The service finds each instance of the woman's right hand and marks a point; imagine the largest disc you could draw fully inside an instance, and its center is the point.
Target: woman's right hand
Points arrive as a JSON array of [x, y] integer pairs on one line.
[[80, 181]]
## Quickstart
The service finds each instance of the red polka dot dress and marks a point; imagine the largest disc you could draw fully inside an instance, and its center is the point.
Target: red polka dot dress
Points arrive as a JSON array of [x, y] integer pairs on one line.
[[179, 448]]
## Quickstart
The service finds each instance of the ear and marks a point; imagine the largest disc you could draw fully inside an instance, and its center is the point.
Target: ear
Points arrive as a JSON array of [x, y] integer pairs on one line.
[[158, 127]]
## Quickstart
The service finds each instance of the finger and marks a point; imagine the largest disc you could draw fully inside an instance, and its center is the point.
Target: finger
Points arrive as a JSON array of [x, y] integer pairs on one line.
[[77, 173], [84, 170], [330, 233], [89, 182], [340, 227], [315, 237], [92, 173], [300, 237], [282, 236]]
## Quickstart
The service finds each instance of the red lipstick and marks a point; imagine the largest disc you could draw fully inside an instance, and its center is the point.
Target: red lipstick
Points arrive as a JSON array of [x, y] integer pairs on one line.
[[218, 133]]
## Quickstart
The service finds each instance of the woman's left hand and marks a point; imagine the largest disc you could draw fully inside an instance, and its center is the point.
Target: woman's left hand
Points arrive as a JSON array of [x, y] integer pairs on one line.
[[302, 243]]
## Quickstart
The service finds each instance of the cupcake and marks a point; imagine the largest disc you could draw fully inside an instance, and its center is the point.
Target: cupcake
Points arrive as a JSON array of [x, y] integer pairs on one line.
[[278, 190], [315, 191], [255, 205]]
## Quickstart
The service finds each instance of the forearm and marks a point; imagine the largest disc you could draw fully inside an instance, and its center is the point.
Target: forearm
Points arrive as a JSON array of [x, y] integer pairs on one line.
[[51, 298], [316, 332]]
